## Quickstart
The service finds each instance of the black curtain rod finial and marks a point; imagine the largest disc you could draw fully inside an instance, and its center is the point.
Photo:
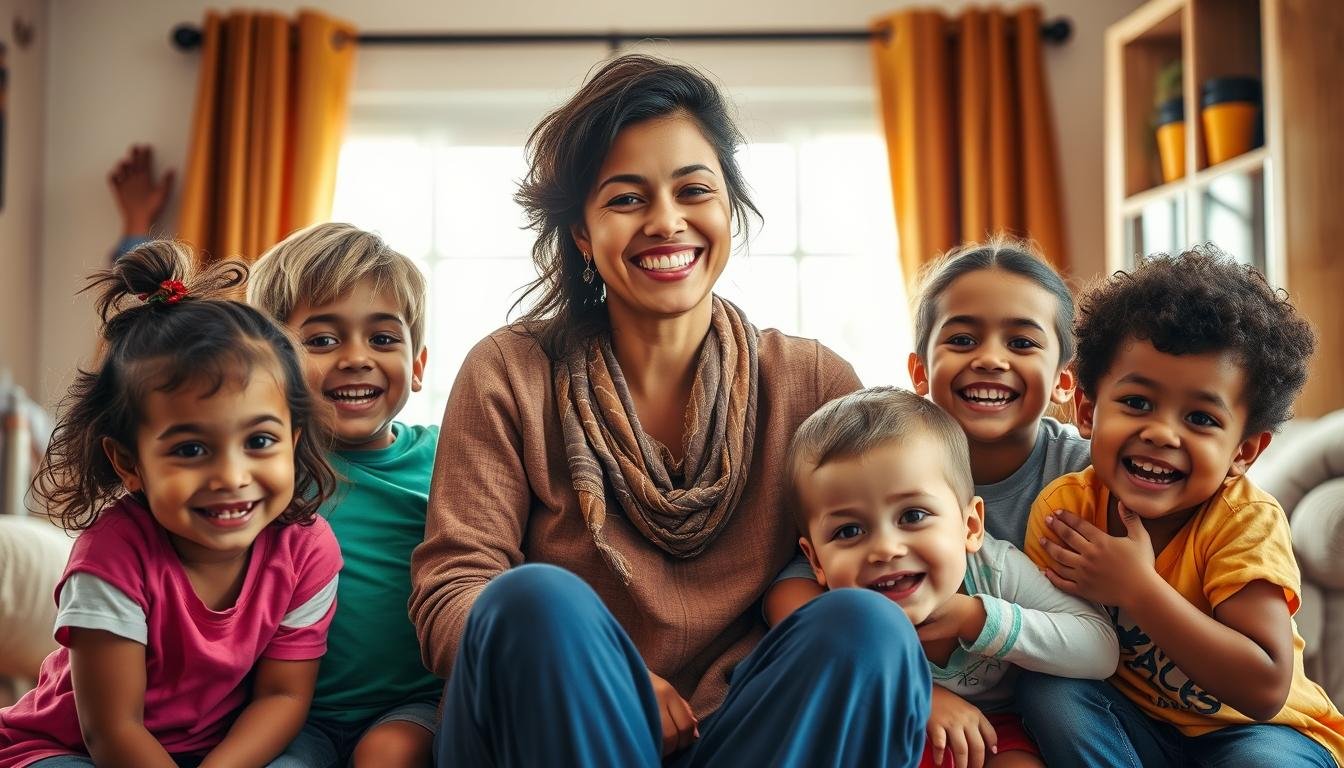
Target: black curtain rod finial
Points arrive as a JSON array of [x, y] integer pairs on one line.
[[1057, 30], [187, 37]]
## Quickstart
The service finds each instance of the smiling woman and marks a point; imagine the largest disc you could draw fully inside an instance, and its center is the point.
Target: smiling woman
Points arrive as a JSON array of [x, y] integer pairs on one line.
[[631, 429]]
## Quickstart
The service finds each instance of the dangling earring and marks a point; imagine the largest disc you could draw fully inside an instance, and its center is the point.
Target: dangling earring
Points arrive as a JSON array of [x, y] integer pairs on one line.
[[588, 273]]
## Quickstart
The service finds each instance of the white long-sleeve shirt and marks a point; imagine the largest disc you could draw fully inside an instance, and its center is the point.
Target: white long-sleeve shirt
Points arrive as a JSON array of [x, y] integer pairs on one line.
[[1028, 624]]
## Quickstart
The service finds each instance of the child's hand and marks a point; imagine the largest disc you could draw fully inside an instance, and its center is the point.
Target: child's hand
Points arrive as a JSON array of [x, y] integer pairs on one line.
[[958, 725], [962, 617], [1096, 566], [680, 727], [139, 194]]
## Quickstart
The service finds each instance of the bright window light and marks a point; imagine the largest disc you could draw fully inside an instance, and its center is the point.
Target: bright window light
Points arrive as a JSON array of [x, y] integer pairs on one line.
[[822, 265]]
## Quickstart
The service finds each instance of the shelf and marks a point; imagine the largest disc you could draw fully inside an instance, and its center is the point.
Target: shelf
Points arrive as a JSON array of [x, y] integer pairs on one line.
[[1273, 207], [1134, 204], [1243, 163]]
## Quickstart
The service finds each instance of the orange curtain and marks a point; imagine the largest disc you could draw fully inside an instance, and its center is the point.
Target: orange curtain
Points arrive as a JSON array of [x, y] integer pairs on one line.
[[969, 134], [271, 106]]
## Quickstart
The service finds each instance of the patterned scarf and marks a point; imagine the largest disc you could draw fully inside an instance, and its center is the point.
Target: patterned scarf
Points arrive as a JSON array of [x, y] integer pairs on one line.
[[678, 506]]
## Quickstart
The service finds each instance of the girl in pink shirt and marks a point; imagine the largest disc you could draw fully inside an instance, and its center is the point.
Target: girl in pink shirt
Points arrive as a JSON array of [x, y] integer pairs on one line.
[[195, 604]]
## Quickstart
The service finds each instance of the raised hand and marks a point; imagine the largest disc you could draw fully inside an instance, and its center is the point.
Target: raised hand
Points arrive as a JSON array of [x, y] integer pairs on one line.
[[140, 196]]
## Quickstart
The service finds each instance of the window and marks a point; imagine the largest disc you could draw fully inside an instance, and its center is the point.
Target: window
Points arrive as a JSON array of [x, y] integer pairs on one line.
[[438, 186]]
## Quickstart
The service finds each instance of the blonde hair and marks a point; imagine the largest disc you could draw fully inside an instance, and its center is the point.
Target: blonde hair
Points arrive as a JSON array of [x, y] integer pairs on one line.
[[862, 421], [320, 264]]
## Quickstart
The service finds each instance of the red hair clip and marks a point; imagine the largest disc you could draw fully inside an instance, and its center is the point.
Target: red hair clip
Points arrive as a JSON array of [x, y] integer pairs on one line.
[[170, 292]]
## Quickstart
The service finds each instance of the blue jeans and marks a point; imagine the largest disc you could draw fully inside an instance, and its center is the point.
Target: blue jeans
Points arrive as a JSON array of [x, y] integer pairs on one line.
[[1090, 724], [327, 745], [545, 675]]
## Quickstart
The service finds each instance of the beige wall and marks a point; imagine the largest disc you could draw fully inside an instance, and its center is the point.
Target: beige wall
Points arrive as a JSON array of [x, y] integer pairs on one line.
[[114, 79], [21, 218]]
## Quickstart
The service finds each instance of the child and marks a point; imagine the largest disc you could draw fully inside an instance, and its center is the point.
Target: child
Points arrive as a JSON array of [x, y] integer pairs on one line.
[[1186, 365], [993, 341], [885, 502], [195, 604], [358, 307]]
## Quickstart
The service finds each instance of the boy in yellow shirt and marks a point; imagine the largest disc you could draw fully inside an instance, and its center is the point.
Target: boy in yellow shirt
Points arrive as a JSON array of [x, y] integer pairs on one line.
[[1185, 367]]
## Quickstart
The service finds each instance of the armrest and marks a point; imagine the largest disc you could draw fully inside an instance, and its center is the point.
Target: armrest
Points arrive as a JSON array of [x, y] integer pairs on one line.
[[1301, 459]]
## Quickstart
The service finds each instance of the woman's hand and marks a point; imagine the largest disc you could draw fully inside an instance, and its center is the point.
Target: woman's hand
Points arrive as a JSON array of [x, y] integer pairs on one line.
[[958, 725], [680, 728]]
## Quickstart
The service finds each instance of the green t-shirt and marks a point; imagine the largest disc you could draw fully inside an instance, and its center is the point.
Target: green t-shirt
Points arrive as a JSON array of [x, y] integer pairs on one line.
[[378, 515]]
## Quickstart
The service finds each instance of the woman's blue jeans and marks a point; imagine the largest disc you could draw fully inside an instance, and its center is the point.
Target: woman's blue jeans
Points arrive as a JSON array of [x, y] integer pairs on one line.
[[546, 676]]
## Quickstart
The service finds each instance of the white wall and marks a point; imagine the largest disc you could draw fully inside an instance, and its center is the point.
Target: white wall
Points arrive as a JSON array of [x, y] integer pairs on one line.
[[115, 79], [21, 217]]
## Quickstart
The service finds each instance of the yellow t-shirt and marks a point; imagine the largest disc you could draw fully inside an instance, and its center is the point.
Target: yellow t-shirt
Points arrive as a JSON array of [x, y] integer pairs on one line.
[[1241, 535]]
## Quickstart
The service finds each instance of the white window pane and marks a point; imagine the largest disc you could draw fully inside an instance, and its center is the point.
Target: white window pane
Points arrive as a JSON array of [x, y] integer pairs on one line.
[[771, 171], [476, 212], [384, 185], [846, 195], [765, 287], [857, 307]]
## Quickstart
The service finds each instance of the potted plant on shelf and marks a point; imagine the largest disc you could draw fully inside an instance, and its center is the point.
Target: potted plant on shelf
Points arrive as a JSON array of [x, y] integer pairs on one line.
[[1169, 120]]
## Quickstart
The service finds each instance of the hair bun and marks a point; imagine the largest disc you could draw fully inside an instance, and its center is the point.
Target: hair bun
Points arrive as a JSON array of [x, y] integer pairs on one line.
[[144, 270]]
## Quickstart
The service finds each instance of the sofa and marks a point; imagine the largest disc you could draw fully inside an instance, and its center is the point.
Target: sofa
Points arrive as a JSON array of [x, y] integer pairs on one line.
[[32, 557], [1304, 469]]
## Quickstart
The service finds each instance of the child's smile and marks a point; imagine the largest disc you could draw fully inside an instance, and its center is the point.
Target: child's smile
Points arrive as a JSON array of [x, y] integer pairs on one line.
[[989, 397], [897, 586], [216, 464], [993, 359], [360, 356], [888, 520], [1167, 430]]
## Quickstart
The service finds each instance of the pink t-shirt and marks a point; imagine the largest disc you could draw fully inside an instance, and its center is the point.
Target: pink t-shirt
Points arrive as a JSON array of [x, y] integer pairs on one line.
[[197, 660]]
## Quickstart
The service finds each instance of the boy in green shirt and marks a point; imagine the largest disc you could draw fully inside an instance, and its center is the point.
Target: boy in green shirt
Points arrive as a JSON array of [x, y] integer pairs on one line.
[[358, 306]]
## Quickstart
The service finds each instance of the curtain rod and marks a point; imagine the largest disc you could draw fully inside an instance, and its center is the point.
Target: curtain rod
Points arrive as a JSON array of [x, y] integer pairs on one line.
[[187, 37]]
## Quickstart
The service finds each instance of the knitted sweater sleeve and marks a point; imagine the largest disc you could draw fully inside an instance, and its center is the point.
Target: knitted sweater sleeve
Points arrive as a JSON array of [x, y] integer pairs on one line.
[[479, 502]]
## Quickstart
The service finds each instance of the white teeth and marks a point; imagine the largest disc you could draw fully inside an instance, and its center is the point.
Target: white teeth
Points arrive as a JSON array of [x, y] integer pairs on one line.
[[894, 583], [232, 512], [353, 393], [993, 395], [667, 261], [1153, 468]]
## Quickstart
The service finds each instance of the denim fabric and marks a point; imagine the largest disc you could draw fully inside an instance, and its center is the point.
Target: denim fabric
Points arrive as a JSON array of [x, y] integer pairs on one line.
[[545, 675]]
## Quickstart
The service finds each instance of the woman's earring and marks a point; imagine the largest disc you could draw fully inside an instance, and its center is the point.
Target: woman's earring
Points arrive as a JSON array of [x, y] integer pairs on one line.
[[588, 273]]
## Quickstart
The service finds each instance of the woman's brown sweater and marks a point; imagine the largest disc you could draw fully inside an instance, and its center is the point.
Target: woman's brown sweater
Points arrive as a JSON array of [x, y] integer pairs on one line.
[[502, 496]]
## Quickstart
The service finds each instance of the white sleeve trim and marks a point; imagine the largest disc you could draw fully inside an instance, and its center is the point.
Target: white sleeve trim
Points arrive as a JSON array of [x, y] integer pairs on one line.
[[89, 602], [314, 609]]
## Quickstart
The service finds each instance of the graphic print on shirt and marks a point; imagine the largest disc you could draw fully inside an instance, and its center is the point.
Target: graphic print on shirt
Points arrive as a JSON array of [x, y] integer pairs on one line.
[[1170, 687], [969, 674]]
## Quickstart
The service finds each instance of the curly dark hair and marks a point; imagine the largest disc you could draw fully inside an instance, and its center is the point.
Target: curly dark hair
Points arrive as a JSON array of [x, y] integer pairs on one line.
[[1197, 302], [165, 345]]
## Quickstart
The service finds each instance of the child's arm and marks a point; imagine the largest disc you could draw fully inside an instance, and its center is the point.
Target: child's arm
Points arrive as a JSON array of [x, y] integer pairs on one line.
[[788, 594], [791, 590], [1242, 654], [281, 693], [1030, 623], [108, 674]]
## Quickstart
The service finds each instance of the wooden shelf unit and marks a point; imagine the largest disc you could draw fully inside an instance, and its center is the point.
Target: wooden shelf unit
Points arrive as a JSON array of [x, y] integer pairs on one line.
[[1274, 206]]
